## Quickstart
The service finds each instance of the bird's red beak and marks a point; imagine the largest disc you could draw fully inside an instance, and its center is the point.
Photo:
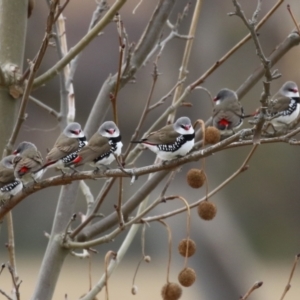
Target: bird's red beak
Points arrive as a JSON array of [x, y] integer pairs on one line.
[[15, 152], [187, 127], [215, 99], [111, 131]]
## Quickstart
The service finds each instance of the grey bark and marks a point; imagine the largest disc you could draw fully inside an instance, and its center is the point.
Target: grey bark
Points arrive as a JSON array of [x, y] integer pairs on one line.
[[13, 25]]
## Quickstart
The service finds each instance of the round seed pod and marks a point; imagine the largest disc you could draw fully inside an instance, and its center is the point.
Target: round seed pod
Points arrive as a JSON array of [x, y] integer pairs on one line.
[[212, 135], [134, 290], [187, 277], [147, 258], [171, 291], [195, 178], [207, 210], [184, 244]]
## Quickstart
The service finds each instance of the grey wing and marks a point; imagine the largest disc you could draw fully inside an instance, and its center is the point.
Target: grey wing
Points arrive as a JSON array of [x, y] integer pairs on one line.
[[279, 104], [62, 148], [87, 154], [6, 176], [166, 135], [97, 146]]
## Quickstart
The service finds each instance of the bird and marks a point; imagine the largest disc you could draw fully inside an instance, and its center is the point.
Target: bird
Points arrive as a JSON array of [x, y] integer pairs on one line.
[[65, 149], [171, 141], [6, 170], [228, 113], [284, 106], [9, 185], [27, 163], [101, 148]]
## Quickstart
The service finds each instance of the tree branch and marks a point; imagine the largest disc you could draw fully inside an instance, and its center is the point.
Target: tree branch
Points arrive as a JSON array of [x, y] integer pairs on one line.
[[80, 45]]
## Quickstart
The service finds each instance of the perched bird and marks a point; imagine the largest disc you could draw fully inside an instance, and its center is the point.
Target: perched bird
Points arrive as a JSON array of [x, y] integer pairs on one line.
[[284, 105], [171, 141], [27, 162], [9, 185], [228, 113], [101, 147], [6, 170], [65, 149]]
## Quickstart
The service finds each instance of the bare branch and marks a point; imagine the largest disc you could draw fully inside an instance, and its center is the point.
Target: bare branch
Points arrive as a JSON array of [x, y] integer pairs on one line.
[[288, 286], [47, 108], [80, 45], [5, 295], [252, 289], [241, 169]]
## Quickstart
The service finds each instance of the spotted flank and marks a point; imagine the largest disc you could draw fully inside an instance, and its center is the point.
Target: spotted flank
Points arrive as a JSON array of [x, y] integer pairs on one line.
[[9, 187], [292, 107], [72, 156], [181, 140], [115, 147]]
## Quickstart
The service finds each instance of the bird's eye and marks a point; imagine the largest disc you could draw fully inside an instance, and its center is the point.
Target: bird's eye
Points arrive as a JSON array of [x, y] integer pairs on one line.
[[293, 90]]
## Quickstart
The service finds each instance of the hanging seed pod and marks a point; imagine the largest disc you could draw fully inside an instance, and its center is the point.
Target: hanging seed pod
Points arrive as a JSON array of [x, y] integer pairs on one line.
[[134, 290], [171, 291], [147, 258], [207, 210], [187, 277], [212, 135], [184, 244], [195, 178]]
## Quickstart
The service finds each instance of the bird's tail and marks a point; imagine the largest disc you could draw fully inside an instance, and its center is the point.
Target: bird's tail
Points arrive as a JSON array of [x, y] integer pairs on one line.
[[45, 166]]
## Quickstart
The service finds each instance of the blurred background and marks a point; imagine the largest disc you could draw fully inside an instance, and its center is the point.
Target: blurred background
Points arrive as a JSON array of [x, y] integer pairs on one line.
[[255, 234]]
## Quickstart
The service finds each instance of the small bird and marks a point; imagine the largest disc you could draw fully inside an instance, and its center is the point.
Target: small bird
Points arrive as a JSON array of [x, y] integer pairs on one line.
[[171, 141], [101, 147], [284, 105], [65, 149], [27, 162], [9, 185], [228, 113], [6, 170]]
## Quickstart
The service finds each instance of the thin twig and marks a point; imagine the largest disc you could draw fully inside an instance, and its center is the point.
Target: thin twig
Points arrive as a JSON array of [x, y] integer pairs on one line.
[[99, 202], [219, 62], [113, 234], [80, 45], [145, 111], [118, 207], [119, 74], [186, 57], [173, 34], [294, 20], [169, 247], [49, 109], [252, 289], [5, 295], [11, 246], [241, 169], [15, 280], [288, 286], [109, 255], [165, 97]]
